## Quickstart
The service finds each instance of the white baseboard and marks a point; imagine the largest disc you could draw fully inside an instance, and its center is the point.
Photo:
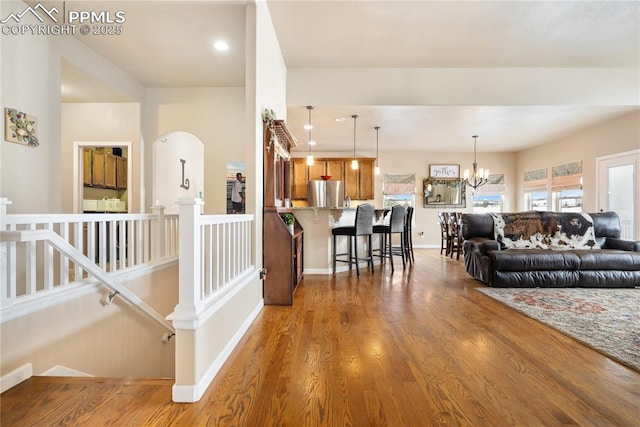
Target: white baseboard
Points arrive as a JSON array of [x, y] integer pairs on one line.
[[15, 377]]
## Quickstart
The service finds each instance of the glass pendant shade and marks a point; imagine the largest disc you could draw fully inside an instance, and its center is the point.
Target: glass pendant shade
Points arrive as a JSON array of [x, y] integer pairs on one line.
[[309, 127], [354, 162], [376, 171]]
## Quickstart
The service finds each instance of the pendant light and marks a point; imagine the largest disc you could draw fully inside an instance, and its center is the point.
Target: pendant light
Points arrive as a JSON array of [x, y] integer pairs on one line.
[[354, 162], [377, 169], [478, 176], [310, 142]]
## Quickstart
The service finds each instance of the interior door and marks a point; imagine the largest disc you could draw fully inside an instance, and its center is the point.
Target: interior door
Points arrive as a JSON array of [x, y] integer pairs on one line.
[[619, 190]]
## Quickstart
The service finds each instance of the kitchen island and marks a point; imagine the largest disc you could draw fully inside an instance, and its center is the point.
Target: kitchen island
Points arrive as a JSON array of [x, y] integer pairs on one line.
[[318, 223]]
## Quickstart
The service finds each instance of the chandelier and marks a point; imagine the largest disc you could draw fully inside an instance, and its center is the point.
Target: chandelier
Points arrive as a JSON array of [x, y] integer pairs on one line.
[[479, 176]]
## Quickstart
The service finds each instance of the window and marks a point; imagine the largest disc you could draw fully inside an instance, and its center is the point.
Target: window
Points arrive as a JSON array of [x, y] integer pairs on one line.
[[398, 189], [490, 197], [536, 196], [567, 200], [536, 200], [566, 187]]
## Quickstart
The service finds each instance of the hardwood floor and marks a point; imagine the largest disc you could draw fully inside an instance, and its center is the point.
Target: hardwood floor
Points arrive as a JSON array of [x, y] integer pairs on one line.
[[413, 348]]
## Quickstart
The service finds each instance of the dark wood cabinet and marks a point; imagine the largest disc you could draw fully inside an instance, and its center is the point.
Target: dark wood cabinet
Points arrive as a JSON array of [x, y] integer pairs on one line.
[[282, 255], [283, 258]]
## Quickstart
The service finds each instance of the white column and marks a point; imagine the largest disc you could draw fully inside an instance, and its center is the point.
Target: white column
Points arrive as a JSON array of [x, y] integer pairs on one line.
[[189, 293]]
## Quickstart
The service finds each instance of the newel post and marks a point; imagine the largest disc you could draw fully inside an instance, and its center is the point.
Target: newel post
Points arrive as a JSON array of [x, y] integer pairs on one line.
[[189, 294], [159, 242]]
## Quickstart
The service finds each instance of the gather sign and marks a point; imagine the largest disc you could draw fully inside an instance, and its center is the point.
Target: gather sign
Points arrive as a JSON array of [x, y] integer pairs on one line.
[[444, 171]]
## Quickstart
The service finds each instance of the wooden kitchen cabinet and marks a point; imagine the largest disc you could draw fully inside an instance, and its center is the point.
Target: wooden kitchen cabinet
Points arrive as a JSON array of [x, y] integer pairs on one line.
[[298, 179], [97, 168], [335, 169], [359, 183], [366, 178], [109, 170], [121, 173], [87, 171]]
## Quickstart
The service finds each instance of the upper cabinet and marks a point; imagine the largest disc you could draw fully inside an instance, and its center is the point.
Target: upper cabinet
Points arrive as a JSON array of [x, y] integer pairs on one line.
[[358, 184], [109, 170], [121, 173], [103, 169], [97, 168], [87, 173]]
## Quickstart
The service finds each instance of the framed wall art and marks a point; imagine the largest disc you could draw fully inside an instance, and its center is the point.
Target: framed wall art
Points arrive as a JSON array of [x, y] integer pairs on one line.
[[20, 127], [444, 171]]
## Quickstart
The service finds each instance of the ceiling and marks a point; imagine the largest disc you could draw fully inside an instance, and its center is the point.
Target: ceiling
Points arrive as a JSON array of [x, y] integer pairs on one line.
[[169, 44]]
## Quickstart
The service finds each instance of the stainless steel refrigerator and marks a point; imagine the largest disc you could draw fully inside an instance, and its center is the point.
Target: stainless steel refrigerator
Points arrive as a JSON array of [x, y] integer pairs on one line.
[[325, 194]]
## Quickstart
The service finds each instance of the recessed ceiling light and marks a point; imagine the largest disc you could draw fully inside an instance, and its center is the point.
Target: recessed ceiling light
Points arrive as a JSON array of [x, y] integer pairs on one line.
[[312, 143], [221, 46], [340, 119], [307, 127]]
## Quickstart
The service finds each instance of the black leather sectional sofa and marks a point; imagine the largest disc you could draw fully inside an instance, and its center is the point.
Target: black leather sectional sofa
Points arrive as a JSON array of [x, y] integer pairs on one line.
[[610, 262]]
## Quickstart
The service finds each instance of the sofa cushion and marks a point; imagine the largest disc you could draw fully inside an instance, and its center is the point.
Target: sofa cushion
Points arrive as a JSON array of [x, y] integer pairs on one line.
[[609, 259], [545, 230], [534, 260]]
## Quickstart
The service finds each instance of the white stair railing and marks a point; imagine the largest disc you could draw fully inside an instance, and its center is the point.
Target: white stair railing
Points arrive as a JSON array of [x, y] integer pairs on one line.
[[32, 237]]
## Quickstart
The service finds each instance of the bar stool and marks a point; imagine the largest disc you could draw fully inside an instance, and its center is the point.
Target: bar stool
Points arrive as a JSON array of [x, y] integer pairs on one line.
[[379, 252], [408, 234], [396, 226], [363, 227]]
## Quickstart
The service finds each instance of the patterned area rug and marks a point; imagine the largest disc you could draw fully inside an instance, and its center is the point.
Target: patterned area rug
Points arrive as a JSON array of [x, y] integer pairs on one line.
[[607, 320]]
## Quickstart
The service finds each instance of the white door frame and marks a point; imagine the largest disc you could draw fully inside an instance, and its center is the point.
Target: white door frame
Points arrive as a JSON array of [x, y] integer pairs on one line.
[[634, 158], [78, 164]]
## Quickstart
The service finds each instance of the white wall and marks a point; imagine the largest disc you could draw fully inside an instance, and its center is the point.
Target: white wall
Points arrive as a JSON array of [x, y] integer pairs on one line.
[[217, 117], [610, 137]]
